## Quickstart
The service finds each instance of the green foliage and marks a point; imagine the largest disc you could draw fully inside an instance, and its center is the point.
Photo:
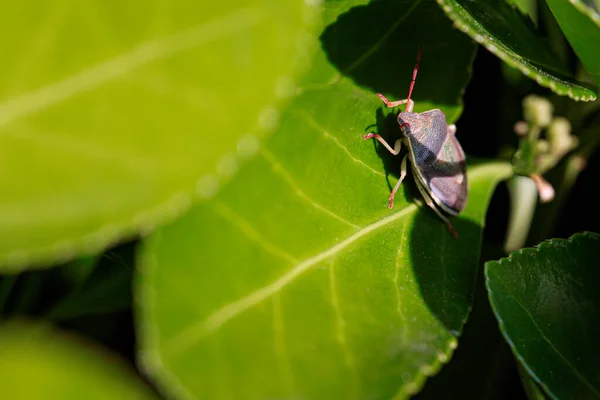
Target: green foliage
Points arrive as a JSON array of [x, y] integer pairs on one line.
[[547, 302], [321, 300], [107, 143], [38, 363], [581, 25], [220, 146], [504, 31], [326, 283]]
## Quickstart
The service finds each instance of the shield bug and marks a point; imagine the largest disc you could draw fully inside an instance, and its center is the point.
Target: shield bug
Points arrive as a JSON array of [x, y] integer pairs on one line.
[[437, 159]]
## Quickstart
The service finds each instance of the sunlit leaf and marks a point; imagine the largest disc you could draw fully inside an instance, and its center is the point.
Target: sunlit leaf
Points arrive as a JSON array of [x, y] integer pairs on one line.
[[296, 281], [38, 363], [113, 115]]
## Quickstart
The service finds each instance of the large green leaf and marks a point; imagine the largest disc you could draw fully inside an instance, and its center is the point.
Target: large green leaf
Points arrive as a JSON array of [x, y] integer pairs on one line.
[[37, 363], [113, 114], [581, 25], [296, 281], [503, 30], [548, 305]]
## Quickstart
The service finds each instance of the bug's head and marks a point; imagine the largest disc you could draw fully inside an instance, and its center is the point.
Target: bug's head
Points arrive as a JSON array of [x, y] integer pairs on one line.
[[410, 123]]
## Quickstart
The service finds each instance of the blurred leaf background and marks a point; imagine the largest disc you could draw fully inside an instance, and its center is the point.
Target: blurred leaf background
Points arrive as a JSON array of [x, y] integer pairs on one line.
[[189, 210]]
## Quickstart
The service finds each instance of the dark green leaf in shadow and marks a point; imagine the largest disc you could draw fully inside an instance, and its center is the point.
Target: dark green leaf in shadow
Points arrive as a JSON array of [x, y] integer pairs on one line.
[[78, 271], [548, 305], [38, 363], [504, 31], [483, 367], [383, 37], [7, 284], [531, 387], [107, 289], [296, 281], [111, 124], [527, 7], [581, 25]]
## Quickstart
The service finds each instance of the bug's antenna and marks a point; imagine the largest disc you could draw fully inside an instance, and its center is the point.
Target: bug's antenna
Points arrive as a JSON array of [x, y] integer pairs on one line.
[[414, 78]]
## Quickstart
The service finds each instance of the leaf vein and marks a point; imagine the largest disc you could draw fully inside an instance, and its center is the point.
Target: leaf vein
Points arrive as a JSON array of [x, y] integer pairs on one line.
[[340, 322], [397, 271], [377, 45], [278, 168], [236, 220], [125, 63], [543, 335], [311, 121], [280, 347], [196, 332]]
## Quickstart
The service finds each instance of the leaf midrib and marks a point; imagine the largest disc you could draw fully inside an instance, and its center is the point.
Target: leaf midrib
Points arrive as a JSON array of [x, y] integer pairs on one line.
[[547, 340], [196, 332], [219, 317], [106, 71]]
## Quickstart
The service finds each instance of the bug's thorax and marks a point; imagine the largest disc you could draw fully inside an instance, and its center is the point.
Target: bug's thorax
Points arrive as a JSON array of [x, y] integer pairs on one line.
[[410, 123]]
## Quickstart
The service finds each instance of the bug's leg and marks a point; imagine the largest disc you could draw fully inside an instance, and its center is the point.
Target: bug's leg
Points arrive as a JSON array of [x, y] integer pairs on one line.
[[391, 104], [402, 175], [431, 204], [397, 145], [452, 129]]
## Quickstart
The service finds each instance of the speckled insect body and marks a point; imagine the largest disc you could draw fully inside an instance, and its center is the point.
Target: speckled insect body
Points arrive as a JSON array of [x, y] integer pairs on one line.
[[437, 159]]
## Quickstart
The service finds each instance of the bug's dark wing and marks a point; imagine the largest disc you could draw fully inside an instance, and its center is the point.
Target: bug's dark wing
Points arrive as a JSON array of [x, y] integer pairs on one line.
[[441, 162], [427, 141], [447, 177]]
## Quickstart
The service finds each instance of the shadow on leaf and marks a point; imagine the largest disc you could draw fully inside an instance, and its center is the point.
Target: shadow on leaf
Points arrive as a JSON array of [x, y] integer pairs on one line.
[[448, 292], [376, 46]]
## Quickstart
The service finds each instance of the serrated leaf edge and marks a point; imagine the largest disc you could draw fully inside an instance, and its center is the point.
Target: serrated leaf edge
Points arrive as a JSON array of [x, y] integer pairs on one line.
[[511, 58], [149, 359], [515, 256], [546, 243]]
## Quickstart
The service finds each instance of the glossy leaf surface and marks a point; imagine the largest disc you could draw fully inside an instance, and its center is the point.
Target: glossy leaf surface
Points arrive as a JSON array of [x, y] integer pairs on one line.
[[109, 122], [506, 32], [548, 305], [296, 281], [581, 25]]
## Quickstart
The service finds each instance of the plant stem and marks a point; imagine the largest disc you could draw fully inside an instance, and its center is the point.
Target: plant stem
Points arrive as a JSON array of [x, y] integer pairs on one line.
[[523, 200]]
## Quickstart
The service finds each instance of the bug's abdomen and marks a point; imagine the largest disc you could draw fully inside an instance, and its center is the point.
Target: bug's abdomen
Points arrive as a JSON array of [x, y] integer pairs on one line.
[[446, 178]]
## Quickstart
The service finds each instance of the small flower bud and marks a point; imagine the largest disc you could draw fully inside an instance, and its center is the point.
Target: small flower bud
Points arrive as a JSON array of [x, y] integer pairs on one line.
[[521, 128], [537, 110], [559, 134], [545, 189], [542, 146]]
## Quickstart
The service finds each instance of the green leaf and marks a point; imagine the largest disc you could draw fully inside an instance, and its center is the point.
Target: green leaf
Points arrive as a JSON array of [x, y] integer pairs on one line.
[[527, 7], [483, 366], [504, 31], [296, 280], [291, 298], [581, 25], [38, 363], [531, 387], [546, 300], [110, 123], [107, 289]]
